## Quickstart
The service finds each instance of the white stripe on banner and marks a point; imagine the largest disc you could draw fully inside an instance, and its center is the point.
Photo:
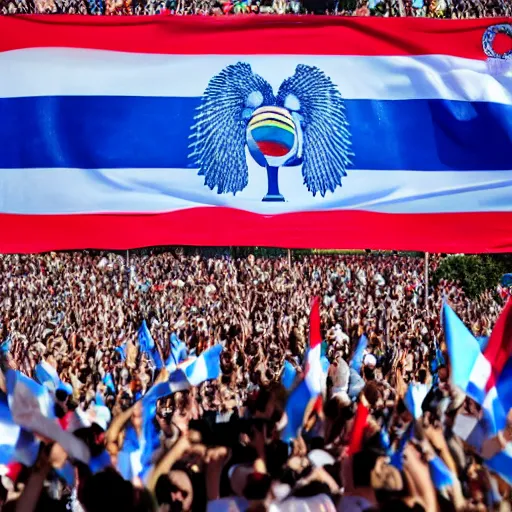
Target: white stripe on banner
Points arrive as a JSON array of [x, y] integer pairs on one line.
[[162, 190], [79, 72]]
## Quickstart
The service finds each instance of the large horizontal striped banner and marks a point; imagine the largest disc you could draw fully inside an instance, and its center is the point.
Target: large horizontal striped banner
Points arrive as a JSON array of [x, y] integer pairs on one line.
[[279, 131]]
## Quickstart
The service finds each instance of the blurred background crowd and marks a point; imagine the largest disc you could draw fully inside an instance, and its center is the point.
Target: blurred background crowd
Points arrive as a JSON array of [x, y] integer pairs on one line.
[[385, 8], [219, 445]]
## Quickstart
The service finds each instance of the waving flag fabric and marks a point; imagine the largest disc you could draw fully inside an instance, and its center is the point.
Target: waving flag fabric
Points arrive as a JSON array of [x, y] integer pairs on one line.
[[289, 375], [9, 432], [328, 132], [357, 358], [178, 353], [311, 386], [32, 408], [202, 368], [441, 476], [397, 457], [357, 434], [148, 346], [471, 370], [465, 355], [47, 376], [16, 444], [414, 397], [192, 373], [499, 351], [486, 379]]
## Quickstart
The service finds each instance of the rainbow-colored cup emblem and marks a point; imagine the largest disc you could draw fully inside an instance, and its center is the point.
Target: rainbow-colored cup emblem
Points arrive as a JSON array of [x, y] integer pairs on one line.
[[272, 136]]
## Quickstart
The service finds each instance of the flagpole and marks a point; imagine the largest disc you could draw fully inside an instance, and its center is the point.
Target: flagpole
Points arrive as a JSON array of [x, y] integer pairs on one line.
[[289, 258], [426, 281]]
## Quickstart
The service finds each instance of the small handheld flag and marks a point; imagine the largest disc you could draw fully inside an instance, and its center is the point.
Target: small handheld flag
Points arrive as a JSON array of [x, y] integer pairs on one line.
[[357, 359], [314, 378], [498, 352], [289, 375], [9, 432], [440, 474], [33, 409], [178, 353], [486, 378], [47, 376], [147, 345], [397, 458], [470, 370], [121, 350], [356, 442], [414, 398], [109, 382]]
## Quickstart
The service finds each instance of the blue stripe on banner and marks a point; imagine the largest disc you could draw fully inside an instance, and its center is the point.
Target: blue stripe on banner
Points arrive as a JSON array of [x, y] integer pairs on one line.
[[152, 132]]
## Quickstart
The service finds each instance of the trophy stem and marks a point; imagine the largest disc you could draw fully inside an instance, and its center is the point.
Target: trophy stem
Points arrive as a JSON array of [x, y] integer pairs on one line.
[[273, 194]]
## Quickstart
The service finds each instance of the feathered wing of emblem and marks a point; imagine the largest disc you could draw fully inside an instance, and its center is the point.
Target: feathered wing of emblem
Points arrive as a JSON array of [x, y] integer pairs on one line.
[[219, 133], [317, 104]]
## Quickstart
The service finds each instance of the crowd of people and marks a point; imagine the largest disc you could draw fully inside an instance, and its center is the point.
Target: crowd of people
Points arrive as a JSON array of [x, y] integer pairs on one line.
[[219, 444], [385, 8]]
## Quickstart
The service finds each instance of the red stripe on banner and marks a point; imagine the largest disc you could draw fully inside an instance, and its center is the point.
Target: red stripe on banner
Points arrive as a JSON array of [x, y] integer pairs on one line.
[[252, 35], [217, 226]]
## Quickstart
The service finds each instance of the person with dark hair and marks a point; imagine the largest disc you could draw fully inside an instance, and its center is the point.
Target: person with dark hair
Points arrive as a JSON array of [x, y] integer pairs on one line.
[[107, 491], [176, 490]]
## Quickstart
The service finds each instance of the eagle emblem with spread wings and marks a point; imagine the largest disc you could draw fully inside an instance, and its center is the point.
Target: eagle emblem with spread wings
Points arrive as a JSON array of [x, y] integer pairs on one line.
[[304, 124]]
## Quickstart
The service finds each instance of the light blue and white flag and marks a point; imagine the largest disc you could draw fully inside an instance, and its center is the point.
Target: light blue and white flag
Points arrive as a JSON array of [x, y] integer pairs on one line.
[[5, 347], [288, 376], [32, 408], [397, 457], [414, 398], [16, 444], [203, 368], [178, 353], [109, 382], [47, 376], [147, 345], [441, 476], [121, 350], [357, 358], [9, 432], [18, 382]]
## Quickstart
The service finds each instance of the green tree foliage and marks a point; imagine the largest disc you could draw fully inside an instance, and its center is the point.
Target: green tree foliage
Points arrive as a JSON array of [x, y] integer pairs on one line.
[[475, 273]]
